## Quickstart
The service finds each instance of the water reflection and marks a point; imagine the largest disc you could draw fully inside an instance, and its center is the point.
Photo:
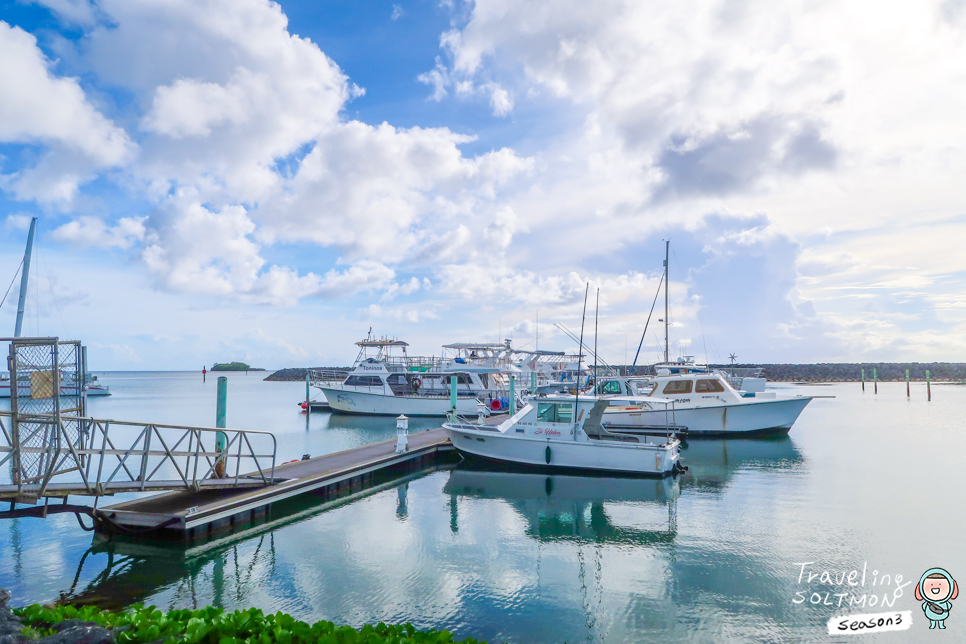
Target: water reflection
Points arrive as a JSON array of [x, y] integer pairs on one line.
[[711, 463], [137, 569], [566, 507]]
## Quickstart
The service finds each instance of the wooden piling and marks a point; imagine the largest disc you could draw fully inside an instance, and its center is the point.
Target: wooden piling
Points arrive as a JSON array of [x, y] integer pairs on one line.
[[908, 394], [221, 438], [928, 387], [513, 396], [863, 379], [452, 396], [308, 402], [875, 380]]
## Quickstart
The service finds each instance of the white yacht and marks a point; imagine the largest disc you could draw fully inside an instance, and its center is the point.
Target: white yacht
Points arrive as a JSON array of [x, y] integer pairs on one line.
[[745, 379], [386, 381], [563, 431], [704, 404], [67, 387]]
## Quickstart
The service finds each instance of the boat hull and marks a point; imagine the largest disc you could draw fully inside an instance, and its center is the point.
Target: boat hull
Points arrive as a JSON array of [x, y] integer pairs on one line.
[[357, 402], [755, 417], [651, 459], [24, 391]]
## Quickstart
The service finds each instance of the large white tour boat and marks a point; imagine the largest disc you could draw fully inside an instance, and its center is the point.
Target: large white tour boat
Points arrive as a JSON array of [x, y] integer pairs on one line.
[[703, 404], [385, 380]]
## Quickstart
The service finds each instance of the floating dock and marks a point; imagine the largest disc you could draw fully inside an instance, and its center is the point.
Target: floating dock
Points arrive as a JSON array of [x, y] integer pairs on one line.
[[194, 515]]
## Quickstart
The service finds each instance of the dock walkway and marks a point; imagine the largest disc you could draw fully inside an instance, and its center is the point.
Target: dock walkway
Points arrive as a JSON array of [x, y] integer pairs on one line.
[[190, 515]]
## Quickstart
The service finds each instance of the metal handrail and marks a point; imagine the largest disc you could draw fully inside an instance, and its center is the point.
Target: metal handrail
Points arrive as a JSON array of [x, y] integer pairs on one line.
[[133, 464]]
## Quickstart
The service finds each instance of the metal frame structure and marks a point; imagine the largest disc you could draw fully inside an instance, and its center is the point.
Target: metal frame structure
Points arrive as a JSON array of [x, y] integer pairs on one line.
[[47, 434]]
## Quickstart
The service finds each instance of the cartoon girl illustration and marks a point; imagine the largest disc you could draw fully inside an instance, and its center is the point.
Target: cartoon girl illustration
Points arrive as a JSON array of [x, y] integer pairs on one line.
[[936, 590]]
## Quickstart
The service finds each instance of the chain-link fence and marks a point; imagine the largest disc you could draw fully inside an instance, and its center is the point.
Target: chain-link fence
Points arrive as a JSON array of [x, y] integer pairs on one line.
[[47, 401]]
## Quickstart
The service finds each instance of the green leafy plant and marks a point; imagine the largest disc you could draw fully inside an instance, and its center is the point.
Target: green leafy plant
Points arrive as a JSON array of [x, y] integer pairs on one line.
[[143, 624]]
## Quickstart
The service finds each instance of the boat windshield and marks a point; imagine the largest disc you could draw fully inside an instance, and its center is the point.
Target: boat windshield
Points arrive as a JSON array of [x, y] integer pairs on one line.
[[555, 412]]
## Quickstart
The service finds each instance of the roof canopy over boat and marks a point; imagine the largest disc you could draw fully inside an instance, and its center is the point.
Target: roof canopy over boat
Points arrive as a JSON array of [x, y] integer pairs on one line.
[[465, 346], [385, 342]]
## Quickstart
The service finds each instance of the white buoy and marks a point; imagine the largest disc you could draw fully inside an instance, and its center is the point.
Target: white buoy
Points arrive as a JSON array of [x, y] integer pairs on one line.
[[402, 434]]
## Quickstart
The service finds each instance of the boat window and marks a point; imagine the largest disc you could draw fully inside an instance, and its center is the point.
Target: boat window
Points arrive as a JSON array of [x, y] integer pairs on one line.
[[485, 379], [555, 412], [611, 387], [363, 381], [704, 386], [396, 379], [642, 388], [678, 387], [461, 379]]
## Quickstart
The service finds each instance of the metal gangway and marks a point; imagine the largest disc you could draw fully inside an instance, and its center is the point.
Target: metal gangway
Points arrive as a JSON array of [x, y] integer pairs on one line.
[[51, 448]]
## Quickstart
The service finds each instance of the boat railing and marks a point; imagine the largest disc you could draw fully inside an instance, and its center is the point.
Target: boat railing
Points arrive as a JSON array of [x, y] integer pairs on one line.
[[100, 456], [326, 376]]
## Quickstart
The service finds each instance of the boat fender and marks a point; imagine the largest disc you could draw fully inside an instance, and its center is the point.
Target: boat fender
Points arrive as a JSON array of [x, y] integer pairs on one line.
[[548, 455], [304, 405], [495, 404], [416, 384]]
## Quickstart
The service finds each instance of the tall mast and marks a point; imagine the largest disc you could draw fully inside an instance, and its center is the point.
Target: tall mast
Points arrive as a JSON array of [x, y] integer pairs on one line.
[[667, 284], [23, 277]]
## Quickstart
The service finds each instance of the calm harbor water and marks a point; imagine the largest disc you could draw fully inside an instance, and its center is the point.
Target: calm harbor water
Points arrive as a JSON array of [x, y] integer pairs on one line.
[[864, 482]]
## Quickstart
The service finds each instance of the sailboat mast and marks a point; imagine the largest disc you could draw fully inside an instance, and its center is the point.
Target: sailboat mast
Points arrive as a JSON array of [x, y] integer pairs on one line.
[[667, 284], [23, 278]]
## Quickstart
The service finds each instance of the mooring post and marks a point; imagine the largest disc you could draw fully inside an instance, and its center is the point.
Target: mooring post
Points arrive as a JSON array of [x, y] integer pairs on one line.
[[513, 395], [452, 397], [863, 380], [402, 434], [533, 383], [204, 374], [908, 394], [875, 380], [308, 403], [221, 438], [928, 387]]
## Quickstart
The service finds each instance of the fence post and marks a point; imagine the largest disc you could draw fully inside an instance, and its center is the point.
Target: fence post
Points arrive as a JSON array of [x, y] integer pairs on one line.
[[221, 438]]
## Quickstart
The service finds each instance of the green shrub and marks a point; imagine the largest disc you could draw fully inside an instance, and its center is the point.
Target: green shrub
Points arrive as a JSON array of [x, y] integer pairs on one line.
[[143, 624]]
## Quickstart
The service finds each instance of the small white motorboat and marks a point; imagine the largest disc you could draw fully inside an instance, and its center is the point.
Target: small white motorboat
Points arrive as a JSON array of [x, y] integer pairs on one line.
[[563, 431]]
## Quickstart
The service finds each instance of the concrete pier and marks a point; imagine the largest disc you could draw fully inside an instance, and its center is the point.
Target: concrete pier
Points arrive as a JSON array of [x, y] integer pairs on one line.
[[194, 515]]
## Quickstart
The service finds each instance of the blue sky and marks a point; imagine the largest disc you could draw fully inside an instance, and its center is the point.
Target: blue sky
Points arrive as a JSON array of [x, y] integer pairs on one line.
[[244, 180]]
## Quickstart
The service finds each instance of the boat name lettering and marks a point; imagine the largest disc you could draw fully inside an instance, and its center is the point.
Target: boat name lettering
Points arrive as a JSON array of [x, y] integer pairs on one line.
[[547, 432], [365, 368]]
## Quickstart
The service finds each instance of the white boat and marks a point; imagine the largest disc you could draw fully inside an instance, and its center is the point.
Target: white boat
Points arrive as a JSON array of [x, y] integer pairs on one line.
[[68, 388], [705, 404], [386, 381], [563, 431], [746, 379]]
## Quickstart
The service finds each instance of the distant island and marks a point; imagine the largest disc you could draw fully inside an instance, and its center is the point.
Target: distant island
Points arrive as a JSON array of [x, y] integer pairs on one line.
[[298, 373], [234, 366]]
